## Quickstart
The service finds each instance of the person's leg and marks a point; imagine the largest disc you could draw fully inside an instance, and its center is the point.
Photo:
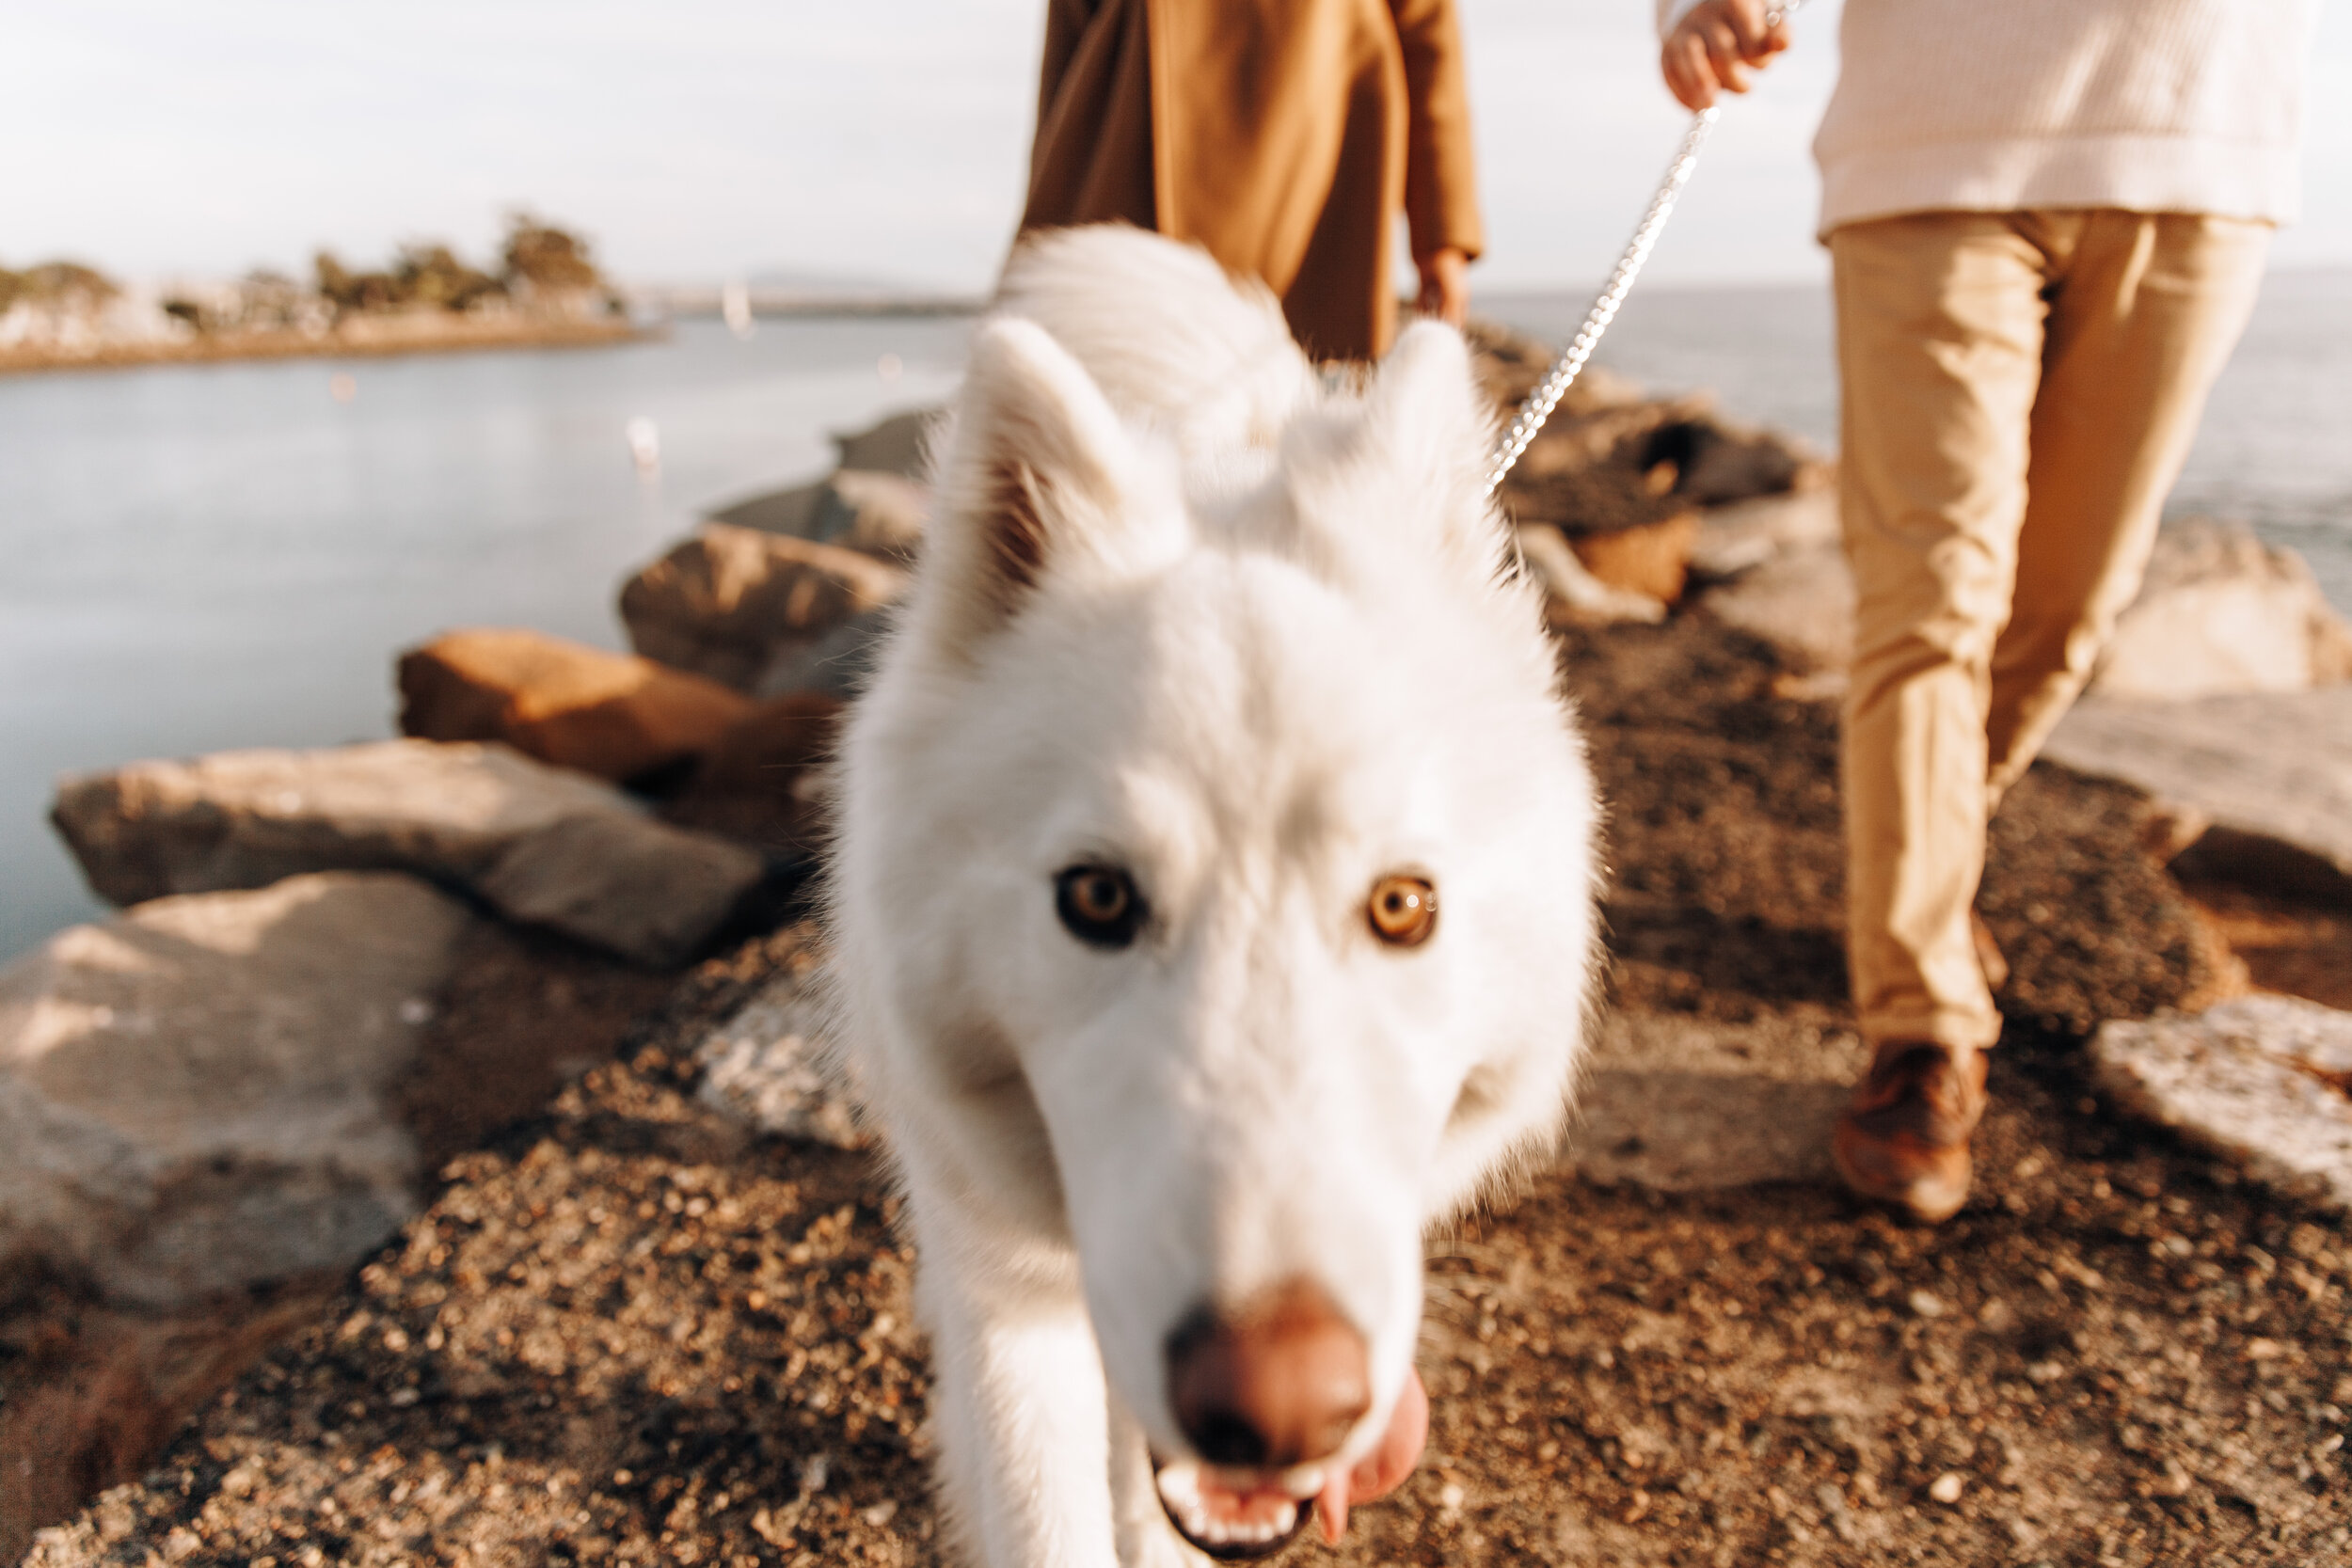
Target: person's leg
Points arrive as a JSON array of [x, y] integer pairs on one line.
[[2146, 310], [1940, 347], [1940, 321]]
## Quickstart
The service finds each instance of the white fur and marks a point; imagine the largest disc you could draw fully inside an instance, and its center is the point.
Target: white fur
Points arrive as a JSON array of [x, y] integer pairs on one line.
[[1266, 655]]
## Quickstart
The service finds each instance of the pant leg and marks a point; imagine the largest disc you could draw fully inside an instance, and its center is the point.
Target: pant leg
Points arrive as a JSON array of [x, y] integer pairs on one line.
[[2144, 313], [1940, 333]]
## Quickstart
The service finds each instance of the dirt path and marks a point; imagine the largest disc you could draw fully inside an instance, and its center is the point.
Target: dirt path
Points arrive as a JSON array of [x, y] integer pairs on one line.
[[626, 1334]]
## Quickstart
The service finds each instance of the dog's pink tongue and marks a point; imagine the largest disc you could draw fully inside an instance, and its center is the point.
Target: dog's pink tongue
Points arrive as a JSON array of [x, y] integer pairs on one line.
[[1383, 1470]]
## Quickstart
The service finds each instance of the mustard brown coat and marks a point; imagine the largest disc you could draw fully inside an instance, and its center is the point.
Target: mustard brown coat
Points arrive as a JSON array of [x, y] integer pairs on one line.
[[1283, 137]]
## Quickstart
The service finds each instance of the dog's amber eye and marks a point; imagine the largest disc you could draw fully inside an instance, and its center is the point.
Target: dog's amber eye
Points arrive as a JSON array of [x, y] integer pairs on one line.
[[1402, 911], [1099, 904]]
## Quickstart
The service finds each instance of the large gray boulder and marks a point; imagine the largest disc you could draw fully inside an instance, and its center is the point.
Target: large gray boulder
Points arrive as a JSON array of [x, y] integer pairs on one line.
[[542, 845], [2271, 774], [896, 444], [2220, 611], [880, 514], [728, 601], [193, 1095], [2265, 1081]]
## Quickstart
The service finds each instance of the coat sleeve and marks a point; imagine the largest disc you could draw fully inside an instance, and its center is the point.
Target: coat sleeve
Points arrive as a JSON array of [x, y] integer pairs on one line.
[[1066, 22], [1440, 175]]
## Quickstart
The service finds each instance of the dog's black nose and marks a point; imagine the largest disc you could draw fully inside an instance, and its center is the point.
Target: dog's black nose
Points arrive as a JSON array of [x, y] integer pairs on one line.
[[1278, 1381]]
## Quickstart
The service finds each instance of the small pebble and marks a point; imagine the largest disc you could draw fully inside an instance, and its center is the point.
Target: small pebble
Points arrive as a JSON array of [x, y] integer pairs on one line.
[[1946, 1488], [1926, 1303]]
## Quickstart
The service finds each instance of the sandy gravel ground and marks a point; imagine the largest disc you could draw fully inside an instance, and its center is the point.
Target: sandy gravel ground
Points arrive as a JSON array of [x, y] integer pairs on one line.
[[624, 1332]]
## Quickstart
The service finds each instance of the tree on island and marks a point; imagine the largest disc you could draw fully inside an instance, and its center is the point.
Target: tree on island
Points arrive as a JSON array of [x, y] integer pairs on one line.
[[540, 265], [548, 258], [68, 283]]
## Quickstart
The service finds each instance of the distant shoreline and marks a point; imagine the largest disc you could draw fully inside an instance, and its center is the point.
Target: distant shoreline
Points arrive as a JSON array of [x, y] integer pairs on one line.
[[700, 302], [362, 337], [442, 332]]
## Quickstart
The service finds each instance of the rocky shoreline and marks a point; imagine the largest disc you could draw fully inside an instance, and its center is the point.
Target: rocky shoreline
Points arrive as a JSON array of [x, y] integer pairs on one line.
[[628, 1291]]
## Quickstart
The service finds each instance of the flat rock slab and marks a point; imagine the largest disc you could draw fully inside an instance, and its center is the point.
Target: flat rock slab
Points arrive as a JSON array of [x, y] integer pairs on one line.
[[542, 845], [1680, 1104], [1746, 534], [2271, 771], [2265, 1080], [1801, 602], [193, 1095]]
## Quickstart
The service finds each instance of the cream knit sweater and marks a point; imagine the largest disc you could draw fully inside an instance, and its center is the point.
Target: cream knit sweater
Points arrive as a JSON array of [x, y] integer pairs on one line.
[[2000, 105]]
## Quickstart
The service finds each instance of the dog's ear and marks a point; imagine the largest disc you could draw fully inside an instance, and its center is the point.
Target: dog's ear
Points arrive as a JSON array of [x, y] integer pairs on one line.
[[1425, 410], [1039, 472]]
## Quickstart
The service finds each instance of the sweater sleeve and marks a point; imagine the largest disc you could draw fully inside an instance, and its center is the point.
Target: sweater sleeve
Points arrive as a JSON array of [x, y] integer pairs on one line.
[[1441, 174]]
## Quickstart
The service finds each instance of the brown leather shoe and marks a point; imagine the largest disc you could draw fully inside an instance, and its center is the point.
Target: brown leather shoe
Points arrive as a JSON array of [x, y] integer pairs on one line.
[[1903, 1139]]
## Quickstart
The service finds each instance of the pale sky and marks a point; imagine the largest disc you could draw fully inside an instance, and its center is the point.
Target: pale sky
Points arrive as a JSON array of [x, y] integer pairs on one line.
[[701, 138]]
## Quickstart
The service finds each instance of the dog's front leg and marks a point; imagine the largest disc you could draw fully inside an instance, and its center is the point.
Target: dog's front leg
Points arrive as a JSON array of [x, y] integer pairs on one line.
[[1018, 1398], [1145, 1538]]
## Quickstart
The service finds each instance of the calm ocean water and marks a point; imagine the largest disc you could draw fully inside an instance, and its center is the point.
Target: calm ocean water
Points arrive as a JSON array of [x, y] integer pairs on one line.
[[199, 558], [2275, 448]]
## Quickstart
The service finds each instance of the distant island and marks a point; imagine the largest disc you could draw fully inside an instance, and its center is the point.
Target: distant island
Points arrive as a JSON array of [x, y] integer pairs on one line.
[[546, 292]]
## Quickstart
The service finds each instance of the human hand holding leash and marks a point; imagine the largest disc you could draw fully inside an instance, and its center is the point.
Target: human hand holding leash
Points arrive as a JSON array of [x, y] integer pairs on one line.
[[1713, 48], [1704, 52]]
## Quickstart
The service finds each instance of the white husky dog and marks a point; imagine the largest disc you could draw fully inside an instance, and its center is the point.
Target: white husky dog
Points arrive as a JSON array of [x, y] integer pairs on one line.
[[1213, 906]]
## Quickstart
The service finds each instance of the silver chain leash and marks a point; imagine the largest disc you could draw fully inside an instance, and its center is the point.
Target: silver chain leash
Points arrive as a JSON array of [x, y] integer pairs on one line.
[[1529, 419]]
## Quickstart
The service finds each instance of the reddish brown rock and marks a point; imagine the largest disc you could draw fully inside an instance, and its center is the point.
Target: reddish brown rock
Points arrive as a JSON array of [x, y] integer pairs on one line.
[[612, 714], [1649, 558], [1572, 596], [725, 602]]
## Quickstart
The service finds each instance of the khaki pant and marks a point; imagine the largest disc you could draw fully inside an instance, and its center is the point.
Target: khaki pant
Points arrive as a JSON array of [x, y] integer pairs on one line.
[[2020, 390]]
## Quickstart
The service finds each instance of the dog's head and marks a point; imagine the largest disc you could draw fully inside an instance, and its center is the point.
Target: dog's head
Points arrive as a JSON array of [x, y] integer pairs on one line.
[[1234, 851]]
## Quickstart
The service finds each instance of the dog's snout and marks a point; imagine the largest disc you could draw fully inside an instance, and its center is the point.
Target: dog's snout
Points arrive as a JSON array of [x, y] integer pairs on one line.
[[1278, 1382]]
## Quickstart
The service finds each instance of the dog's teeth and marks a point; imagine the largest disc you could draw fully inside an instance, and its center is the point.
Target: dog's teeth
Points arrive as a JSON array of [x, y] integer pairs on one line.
[[1185, 1488], [1180, 1485]]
